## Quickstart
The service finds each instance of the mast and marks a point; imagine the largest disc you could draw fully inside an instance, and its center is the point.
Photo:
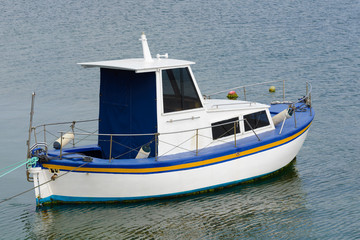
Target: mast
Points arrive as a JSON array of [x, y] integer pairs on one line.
[[146, 50]]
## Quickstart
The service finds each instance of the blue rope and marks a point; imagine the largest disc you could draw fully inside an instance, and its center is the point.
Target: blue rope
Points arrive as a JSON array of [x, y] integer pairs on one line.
[[29, 164]]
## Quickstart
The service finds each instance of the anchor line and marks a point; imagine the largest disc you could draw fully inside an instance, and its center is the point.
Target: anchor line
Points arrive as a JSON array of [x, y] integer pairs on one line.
[[52, 179]]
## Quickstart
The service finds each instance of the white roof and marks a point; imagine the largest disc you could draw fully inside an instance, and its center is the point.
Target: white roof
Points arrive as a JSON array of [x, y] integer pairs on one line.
[[139, 64]]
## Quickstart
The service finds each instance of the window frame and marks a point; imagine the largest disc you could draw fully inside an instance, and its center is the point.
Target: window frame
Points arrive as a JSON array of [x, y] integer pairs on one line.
[[223, 124], [246, 121], [194, 86]]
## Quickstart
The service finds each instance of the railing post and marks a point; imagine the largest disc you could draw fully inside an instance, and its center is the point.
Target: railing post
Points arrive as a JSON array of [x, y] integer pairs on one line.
[[72, 129], [35, 138], [308, 97], [310, 104], [294, 115], [61, 138], [282, 126], [252, 129], [244, 93], [197, 142], [235, 133], [307, 89], [44, 133], [45, 139], [156, 145], [284, 90], [111, 137]]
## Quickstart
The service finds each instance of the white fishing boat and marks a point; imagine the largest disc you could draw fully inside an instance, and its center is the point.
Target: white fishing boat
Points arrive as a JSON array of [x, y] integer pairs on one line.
[[158, 136]]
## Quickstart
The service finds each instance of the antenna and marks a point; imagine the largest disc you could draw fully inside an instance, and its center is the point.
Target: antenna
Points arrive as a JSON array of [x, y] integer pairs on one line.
[[146, 50]]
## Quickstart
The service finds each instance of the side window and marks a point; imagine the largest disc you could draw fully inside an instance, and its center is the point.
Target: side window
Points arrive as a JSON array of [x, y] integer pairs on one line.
[[179, 91], [225, 128], [256, 120]]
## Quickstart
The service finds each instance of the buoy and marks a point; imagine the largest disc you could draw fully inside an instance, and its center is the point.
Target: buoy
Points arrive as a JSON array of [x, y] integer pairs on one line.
[[144, 152], [272, 89], [66, 138], [232, 95]]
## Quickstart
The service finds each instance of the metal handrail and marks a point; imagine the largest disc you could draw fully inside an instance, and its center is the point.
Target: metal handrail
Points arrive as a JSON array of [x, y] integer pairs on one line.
[[308, 94], [61, 123], [250, 85], [152, 134], [235, 103], [39, 144], [306, 98], [156, 135]]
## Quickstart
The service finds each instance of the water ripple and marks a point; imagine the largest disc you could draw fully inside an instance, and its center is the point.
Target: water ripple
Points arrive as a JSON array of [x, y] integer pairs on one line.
[[234, 43]]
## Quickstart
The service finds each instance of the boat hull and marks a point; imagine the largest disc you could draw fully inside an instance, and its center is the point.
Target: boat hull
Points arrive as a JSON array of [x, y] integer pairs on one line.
[[79, 186]]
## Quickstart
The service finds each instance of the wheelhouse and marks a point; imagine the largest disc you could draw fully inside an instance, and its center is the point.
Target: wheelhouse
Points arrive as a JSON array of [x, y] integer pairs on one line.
[[156, 102]]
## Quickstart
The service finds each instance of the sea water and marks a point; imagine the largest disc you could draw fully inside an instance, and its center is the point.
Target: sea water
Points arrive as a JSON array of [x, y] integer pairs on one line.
[[233, 43]]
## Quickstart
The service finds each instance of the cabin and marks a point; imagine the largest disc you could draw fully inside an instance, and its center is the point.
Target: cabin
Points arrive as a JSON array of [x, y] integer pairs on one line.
[[156, 102]]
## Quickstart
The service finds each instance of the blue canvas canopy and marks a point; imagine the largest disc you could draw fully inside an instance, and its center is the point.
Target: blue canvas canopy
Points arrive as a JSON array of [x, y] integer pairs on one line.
[[127, 106]]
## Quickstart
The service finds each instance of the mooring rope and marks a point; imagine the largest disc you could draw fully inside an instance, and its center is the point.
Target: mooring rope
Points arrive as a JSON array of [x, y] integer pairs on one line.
[[52, 179], [31, 162], [14, 164]]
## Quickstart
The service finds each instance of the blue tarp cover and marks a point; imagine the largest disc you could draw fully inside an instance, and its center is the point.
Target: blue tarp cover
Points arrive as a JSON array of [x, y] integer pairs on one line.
[[127, 106]]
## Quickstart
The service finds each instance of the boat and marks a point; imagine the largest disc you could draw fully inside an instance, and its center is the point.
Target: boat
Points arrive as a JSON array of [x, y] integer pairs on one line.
[[157, 136]]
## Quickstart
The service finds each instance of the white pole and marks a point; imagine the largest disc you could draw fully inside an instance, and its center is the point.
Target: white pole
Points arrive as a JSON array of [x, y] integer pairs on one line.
[[30, 126], [146, 50]]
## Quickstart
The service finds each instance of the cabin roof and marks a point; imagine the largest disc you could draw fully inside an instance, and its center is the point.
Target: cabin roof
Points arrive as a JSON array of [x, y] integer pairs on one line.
[[139, 64]]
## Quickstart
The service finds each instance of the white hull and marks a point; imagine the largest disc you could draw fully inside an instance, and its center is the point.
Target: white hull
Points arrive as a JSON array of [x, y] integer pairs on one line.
[[87, 187]]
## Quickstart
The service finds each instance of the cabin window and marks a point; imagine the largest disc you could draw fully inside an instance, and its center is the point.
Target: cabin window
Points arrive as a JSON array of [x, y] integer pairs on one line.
[[256, 120], [179, 92], [225, 128]]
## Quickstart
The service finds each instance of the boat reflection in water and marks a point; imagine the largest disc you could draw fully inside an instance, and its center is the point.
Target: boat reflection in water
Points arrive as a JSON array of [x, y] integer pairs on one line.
[[271, 207]]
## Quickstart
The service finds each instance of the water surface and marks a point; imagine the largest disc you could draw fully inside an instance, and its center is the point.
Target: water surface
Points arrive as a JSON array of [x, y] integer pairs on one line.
[[233, 43]]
